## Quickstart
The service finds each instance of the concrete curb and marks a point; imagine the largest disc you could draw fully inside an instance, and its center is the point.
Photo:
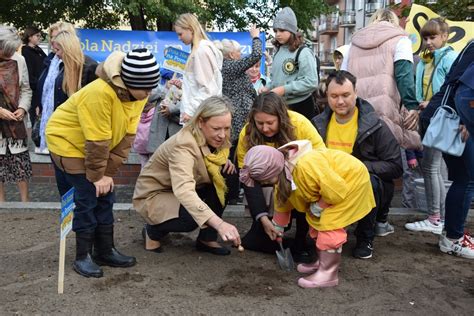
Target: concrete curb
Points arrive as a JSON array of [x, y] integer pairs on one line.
[[230, 211]]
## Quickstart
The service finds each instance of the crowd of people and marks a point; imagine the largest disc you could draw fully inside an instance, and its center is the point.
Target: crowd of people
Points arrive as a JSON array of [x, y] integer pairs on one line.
[[223, 131]]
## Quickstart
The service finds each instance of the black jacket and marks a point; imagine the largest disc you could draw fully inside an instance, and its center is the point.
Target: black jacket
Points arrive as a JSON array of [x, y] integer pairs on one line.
[[88, 75], [34, 57], [375, 144]]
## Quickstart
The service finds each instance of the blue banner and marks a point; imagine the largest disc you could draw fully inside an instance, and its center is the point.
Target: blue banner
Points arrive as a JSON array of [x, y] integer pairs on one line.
[[98, 44]]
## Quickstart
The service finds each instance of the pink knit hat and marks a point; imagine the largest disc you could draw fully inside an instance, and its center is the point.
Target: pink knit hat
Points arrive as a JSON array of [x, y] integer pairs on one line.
[[263, 163]]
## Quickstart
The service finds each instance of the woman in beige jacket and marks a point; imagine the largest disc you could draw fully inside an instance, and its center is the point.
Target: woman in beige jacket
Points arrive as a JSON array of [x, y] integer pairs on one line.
[[182, 186]]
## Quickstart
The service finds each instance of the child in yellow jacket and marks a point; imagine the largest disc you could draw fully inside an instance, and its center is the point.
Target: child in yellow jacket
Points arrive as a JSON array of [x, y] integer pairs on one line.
[[331, 187]]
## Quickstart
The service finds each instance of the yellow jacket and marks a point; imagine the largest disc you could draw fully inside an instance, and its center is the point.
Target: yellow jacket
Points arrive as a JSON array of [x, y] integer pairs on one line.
[[337, 177], [303, 130], [95, 124]]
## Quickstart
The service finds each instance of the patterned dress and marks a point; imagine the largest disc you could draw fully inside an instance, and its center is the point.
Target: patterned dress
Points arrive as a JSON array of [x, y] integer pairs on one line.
[[237, 86]]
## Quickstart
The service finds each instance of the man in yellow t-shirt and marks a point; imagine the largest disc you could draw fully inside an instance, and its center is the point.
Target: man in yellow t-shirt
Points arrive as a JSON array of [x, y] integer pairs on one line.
[[350, 124]]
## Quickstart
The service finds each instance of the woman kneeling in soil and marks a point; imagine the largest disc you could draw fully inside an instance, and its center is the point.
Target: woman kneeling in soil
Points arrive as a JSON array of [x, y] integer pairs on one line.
[[271, 123], [330, 186], [89, 136], [182, 186]]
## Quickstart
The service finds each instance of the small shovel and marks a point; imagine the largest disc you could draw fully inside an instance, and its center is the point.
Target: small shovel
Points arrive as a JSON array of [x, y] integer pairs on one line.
[[284, 257]]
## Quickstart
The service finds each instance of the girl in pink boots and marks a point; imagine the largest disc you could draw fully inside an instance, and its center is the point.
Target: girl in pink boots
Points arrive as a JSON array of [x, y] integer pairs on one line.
[[333, 189]]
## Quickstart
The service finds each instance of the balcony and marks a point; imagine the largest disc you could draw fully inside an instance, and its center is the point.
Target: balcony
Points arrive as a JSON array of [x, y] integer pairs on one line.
[[347, 18], [325, 57], [373, 6], [329, 24]]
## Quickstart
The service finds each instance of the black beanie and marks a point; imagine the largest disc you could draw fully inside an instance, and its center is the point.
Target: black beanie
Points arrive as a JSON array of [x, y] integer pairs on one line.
[[140, 69]]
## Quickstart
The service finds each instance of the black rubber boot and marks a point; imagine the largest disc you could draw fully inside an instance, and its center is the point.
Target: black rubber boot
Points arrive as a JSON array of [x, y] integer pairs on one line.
[[83, 263], [105, 252]]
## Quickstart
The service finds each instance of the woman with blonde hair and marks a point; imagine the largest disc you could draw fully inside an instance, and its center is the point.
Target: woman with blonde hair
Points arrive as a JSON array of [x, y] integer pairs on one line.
[[182, 186], [57, 27], [389, 81], [67, 70], [202, 77]]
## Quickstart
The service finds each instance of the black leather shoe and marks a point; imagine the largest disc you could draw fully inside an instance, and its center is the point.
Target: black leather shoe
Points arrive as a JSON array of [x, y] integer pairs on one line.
[[88, 268], [221, 251], [113, 258], [145, 236]]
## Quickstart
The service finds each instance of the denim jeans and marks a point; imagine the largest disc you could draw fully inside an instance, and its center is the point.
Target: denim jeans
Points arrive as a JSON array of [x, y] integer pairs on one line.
[[383, 194], [459, 197], [90, 210], [465, 105], [434, 183]]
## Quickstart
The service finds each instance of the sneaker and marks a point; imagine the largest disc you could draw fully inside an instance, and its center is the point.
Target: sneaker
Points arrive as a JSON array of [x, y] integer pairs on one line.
[[425, 226], [461, 247], [363, 250], [38, 151], [468, 238], [383, 229]]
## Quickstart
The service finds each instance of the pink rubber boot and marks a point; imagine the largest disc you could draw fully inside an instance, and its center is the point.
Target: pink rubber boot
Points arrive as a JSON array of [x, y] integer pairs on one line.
[[326, 275], [308, 267]]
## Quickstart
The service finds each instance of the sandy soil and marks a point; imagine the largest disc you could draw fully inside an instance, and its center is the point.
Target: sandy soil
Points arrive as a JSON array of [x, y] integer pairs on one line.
[[407, 275]]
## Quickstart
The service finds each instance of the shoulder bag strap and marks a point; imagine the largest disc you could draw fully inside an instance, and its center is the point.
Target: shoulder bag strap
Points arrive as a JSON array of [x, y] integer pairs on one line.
[[298, 55], [433, 72]]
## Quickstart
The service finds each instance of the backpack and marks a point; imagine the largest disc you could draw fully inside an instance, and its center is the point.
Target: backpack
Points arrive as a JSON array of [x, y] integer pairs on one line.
[[298, 52]]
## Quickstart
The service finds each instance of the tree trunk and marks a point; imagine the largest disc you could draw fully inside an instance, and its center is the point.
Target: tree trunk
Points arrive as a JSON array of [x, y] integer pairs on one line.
[[164, 25], [137, 21]]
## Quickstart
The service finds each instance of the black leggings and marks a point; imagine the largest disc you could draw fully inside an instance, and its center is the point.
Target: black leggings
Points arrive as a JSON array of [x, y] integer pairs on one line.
[[185, 222], [306, 107], [257, 240]]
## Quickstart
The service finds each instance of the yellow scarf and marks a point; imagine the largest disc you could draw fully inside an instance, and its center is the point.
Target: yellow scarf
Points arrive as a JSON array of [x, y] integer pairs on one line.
[[214, 162]]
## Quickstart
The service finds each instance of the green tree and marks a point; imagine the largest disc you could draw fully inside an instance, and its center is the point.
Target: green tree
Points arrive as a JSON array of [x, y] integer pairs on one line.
[[156, 14], [91, 13], [455, 10]]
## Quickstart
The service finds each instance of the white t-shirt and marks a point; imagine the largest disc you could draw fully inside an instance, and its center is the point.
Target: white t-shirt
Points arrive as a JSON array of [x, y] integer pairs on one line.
[[402, 51]]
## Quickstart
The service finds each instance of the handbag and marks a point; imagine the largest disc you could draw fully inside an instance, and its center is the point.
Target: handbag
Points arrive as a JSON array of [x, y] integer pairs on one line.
[[443, 132], [35, 132]]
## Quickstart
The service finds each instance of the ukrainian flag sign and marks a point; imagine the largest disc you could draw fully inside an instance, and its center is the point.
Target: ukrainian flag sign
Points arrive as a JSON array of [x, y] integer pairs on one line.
[[459, 32]]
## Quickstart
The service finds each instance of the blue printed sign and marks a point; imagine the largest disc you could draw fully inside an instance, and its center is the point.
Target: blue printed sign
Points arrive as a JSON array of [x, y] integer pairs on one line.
[[98, 44], [175, 59], [67, 207]]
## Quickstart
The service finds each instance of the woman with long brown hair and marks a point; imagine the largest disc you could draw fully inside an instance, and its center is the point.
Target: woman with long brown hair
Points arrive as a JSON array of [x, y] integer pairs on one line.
[[271, 123]]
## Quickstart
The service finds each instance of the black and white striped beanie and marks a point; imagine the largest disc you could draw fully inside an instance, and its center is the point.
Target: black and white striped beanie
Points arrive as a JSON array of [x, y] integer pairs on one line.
[[140, 70]]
